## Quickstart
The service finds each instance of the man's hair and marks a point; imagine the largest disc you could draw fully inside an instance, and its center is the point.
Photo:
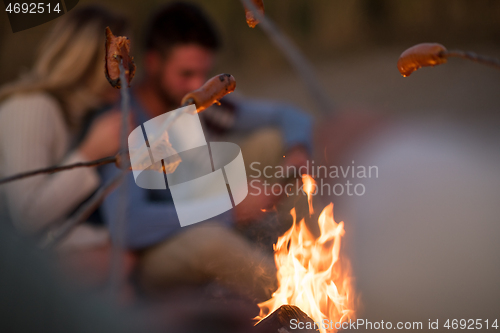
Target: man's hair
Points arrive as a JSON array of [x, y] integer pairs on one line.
[[180, 23]]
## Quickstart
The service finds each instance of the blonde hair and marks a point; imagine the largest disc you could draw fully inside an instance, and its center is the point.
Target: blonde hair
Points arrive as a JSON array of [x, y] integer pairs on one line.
[[70, 64]]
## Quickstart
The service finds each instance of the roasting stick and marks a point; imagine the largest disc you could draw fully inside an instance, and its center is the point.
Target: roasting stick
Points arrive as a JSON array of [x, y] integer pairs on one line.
[[211, 92], [296, 59], [53, 169], [118, 244], [54, 237], [493, 62]]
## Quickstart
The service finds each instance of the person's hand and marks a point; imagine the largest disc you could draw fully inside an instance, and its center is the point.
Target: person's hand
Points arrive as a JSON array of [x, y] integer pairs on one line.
[[103, 138], [297, 156]]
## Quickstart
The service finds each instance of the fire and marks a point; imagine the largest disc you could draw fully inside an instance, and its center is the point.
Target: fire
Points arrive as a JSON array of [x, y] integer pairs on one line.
[[309, 188], [311, 273]]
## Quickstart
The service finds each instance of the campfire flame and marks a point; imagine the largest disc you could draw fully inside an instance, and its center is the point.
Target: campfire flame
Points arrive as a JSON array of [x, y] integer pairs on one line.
[[309, 188], [311, 272]]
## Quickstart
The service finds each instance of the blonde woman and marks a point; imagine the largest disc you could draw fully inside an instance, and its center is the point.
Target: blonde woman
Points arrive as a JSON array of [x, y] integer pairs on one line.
[[41, 116]]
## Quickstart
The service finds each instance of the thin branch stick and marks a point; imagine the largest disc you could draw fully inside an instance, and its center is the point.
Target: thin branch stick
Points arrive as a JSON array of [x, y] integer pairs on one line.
[[54, 237], [95, 163], [115, 279], [296, 58], [474, 57], [53, 169]]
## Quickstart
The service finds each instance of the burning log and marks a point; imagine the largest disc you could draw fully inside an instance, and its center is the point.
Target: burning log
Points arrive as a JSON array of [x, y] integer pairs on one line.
[[284, 320]]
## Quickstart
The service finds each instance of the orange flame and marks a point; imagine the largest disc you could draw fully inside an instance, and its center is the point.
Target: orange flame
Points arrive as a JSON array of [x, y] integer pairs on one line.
[[309, 188], [311, 273]]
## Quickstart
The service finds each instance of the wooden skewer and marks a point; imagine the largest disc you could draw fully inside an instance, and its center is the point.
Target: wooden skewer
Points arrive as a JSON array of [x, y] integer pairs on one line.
[[210, 93], [117, 159], [53, 169], [494, 62], [298, 61], [118, 244], [52, 238]]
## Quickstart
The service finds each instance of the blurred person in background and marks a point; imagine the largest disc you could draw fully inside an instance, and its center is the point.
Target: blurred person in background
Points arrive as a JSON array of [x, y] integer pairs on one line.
[[181, 45], [41, 118], [423, 239]]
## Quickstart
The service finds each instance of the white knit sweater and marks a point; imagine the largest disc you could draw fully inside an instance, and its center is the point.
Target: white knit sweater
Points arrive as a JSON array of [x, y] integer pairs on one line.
[[33, 135]]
